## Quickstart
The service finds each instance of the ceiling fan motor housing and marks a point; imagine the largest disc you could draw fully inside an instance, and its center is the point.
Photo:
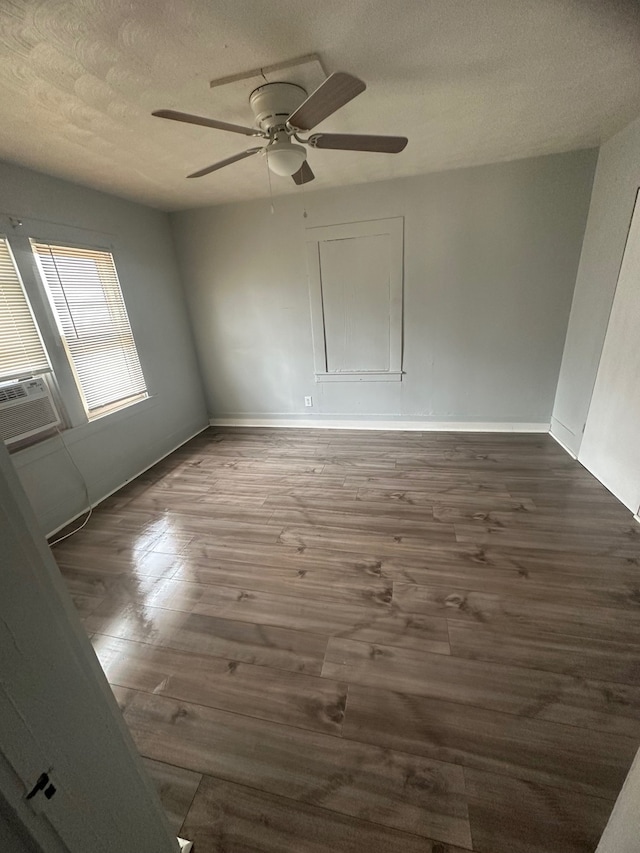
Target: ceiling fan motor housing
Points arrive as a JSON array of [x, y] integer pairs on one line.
[[273, 103]]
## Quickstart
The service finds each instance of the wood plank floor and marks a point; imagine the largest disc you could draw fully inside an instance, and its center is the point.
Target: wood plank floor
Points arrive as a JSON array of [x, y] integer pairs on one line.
[[370, 641]]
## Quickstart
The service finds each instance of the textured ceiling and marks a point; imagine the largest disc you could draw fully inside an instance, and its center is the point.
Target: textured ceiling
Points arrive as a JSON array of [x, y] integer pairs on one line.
[[468, 81]]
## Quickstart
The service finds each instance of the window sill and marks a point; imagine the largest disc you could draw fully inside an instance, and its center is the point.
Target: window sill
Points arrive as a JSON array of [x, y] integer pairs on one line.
[[361, 376], [116, 407]]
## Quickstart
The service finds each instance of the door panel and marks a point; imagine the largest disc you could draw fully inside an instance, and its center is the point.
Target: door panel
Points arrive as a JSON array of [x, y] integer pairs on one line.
[[611, 445], [57, 712]]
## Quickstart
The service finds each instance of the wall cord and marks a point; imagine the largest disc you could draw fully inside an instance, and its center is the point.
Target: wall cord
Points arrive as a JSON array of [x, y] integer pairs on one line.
[[86, 492]]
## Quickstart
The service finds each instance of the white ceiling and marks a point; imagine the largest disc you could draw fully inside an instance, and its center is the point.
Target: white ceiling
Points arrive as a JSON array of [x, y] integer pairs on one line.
[[468, 81]]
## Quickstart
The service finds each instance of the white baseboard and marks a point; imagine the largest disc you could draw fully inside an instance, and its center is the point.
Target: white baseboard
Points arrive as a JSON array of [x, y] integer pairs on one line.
[[128, 480], [562, 445], [393, 425]]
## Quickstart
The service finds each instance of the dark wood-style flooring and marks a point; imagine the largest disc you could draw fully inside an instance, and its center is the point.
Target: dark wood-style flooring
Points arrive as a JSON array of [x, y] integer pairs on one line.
[[370, 642]]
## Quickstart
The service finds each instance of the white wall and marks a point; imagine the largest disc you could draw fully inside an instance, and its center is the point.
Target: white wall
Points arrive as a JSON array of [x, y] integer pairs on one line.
[[614, 190], [611, 447], [114, 448], [491, 255], [622, 832]]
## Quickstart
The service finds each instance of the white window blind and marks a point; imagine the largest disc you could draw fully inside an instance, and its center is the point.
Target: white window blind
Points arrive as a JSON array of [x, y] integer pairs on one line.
[[21, 350], [85, 294]]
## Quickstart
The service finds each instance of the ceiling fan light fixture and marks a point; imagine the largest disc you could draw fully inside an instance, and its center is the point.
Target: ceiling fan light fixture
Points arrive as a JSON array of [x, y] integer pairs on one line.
[[285, 158], [281, 111]]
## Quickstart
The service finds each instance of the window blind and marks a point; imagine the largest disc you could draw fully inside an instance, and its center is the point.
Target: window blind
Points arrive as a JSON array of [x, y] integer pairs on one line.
[[85, 293], [21, 350]]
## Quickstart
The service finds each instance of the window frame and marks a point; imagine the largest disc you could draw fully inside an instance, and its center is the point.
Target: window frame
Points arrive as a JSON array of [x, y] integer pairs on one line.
[[44, 369], [19, 232], [116, 405]]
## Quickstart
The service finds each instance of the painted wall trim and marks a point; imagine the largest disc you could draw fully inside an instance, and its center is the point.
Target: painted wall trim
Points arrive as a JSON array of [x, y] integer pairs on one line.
[[128, 480], [562, 444], [567, 438], [400, 426], [361, 376]]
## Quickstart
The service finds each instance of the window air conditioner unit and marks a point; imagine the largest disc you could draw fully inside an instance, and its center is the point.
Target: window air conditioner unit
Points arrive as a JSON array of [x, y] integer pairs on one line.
[[26, 408]]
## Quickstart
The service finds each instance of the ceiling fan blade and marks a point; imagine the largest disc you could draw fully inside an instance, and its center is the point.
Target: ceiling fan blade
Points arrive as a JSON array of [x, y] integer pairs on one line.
[[207, 122], [358, 142], [336, 91], [222, 163], [304, 174]]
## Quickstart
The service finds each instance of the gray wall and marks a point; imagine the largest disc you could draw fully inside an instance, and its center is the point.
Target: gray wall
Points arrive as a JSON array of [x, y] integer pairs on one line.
[[491, 255], [614, 190], [117, 447]]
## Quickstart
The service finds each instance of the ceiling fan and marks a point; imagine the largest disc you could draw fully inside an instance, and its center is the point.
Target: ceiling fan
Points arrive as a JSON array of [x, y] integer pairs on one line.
[[282, 111]]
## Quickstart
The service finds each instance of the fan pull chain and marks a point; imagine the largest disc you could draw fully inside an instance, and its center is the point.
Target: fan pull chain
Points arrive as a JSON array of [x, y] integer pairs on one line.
[[269, 178], [304, 203]]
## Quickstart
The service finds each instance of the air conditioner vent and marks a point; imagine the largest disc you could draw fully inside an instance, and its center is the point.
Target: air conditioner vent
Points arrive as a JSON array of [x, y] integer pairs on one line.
[[26, 409], [13, 392]]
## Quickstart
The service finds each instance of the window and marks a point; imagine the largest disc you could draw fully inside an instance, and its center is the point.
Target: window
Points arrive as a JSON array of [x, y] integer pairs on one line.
[[21, 350], [355, 285], [86, 298]]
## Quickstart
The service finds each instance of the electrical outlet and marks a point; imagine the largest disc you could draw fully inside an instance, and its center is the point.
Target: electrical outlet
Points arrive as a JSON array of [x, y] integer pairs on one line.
[[308, 401]]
